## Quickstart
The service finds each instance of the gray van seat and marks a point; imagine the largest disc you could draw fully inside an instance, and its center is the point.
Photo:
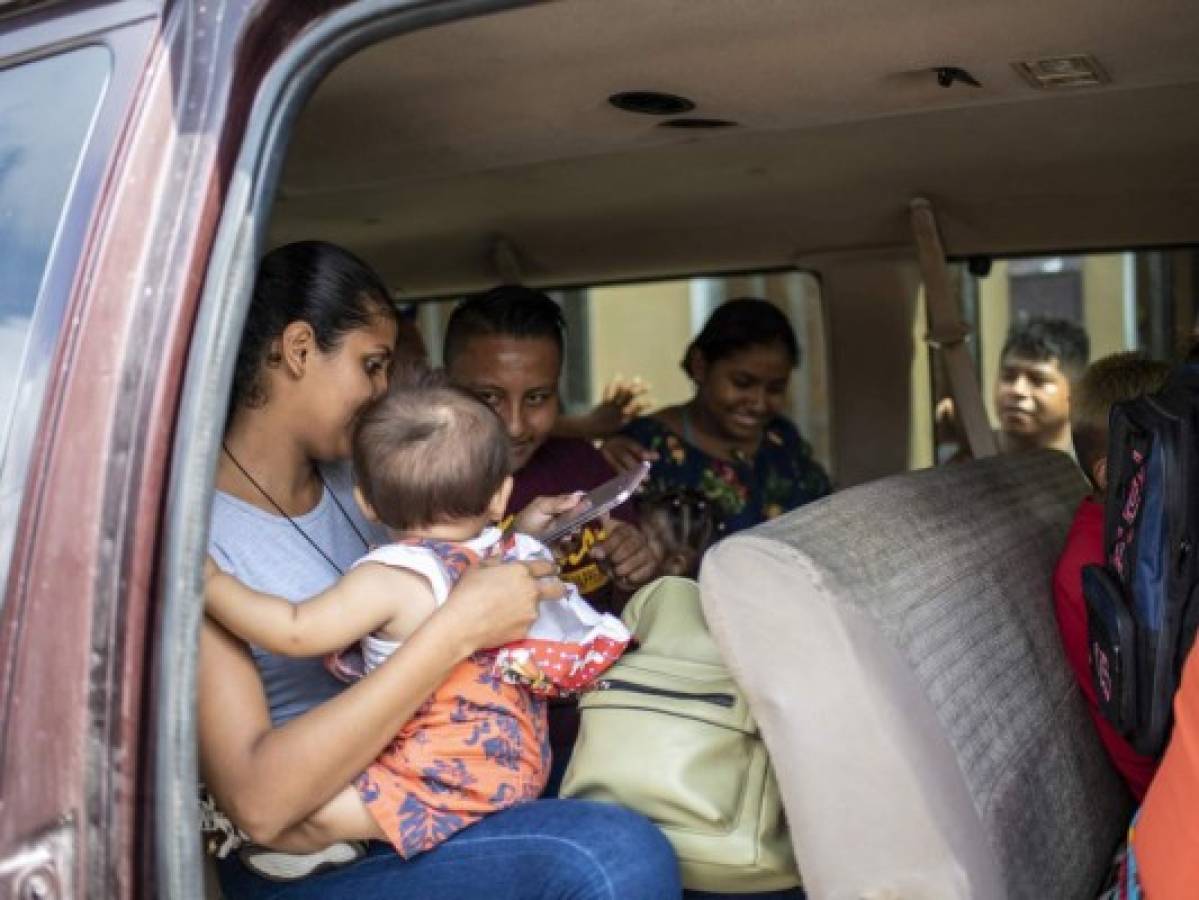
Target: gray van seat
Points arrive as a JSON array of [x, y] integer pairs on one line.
[[899, 650]]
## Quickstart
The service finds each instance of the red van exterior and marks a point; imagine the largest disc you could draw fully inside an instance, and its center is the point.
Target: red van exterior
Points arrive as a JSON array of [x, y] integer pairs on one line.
[[86, 459]]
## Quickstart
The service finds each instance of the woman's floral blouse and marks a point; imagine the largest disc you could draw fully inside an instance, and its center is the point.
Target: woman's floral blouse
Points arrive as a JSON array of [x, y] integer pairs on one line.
[[781, 476]]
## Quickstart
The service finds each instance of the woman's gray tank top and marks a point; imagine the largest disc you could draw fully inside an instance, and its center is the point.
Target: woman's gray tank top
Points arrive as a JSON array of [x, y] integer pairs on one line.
[[268, 554]]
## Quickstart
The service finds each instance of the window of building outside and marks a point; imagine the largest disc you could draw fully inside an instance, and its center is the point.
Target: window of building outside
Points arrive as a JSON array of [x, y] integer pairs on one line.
[[1143, 300], [643, 329], [47, 110]]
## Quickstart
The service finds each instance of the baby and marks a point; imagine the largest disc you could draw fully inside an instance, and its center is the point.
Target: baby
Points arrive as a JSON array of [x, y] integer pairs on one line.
[[681, 523], [432, 466]]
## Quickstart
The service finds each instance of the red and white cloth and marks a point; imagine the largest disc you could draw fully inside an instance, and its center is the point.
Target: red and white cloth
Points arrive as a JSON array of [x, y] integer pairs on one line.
[[567, 648]]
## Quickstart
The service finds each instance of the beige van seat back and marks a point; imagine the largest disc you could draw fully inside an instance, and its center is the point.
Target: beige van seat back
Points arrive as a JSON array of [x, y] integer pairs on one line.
[[898, 647]]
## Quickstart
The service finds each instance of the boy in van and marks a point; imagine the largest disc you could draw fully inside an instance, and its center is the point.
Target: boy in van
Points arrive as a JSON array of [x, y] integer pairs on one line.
[[432, 465], [1041, 359], [1113, 379]]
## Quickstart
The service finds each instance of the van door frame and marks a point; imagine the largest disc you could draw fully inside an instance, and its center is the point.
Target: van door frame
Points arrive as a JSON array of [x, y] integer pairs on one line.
[[286, 82]]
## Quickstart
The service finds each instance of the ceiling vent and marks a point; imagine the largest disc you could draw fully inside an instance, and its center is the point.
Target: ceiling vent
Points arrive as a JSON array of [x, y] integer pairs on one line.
[[1054, 72], [651, 103]]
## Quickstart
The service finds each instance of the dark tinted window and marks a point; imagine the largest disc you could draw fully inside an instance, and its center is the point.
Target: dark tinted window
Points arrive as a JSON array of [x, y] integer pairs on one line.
[[47, 111]]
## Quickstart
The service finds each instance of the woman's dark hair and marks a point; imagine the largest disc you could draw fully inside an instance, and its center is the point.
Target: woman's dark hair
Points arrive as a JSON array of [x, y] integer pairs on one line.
[[309, 281], [739, 324], [510, 310]]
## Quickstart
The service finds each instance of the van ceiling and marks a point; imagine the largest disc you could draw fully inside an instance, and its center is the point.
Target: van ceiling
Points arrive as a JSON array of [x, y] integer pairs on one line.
[[420, 152]]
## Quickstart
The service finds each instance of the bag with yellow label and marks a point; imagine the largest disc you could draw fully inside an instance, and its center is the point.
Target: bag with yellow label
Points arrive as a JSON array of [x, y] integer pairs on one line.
[[668, 733]]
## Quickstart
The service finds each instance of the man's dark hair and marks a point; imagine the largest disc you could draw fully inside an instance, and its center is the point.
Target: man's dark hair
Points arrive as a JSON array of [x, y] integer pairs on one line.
[[426, 453], [1041, 338], [509, 310]]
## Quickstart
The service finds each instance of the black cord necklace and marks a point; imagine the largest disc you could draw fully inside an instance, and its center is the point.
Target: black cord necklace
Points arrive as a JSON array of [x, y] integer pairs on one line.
[[294, 524]]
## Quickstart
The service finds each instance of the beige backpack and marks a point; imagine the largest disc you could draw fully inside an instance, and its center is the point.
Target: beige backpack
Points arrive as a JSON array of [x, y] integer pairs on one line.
[[668, 733]]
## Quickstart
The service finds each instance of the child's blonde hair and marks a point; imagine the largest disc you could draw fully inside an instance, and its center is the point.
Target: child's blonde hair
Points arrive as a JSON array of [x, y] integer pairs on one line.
[[1113, 379]]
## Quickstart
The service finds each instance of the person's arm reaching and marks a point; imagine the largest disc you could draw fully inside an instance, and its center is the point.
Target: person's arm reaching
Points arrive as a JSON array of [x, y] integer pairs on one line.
[[535, 518], [269, 778], [368, 598], [623, 400], [623, 453]]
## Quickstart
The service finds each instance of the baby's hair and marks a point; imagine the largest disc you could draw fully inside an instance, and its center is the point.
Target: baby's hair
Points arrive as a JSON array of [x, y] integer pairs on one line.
[[689, 516], [427, 453], [1107, 381]]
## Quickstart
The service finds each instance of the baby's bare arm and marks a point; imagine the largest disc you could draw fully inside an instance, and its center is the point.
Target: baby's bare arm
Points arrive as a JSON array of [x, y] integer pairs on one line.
[[371, 597]]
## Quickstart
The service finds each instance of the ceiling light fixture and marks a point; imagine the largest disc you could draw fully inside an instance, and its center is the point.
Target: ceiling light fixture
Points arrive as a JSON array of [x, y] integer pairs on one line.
[[1054, 72]]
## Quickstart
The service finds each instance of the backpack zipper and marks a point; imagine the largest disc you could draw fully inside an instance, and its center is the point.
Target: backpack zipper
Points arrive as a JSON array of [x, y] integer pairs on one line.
[[616, 684]]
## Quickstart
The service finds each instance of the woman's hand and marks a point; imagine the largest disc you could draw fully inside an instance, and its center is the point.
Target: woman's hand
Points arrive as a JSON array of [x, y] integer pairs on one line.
[[623, 453], [495, 604], [630, 558], [535, 518]]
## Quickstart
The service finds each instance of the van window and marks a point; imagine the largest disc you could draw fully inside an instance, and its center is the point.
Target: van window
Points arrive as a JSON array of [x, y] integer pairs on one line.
[[47, 108], [1143, 300], [642, 329]]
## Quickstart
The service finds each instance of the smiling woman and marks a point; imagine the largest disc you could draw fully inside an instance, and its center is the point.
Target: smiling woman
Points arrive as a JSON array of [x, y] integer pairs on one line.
[[731, 441]]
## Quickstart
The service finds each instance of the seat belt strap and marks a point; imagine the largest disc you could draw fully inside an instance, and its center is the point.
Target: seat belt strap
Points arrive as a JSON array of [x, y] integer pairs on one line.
[[947, 333]]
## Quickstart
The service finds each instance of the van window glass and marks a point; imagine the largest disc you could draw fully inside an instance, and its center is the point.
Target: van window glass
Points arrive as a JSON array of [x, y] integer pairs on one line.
[[46, 111], [1139, 300], [642, 329]]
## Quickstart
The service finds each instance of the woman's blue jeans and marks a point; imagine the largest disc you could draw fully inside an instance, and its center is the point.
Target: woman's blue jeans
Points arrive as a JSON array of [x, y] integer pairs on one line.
[[543, 850]]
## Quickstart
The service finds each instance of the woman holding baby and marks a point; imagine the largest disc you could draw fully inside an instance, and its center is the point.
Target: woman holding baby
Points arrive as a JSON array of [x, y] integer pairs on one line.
[[280, 737]]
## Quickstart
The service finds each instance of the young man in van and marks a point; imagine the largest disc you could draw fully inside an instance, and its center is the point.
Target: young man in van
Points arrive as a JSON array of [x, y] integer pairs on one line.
[[1110, 380], [505, 347], [1041, 359]]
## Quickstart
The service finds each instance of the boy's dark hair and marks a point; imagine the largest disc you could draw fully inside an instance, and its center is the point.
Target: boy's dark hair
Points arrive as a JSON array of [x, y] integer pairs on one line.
[[1113, 379], [1041, 338], [739, 324], [509, 310], [426, 453]]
